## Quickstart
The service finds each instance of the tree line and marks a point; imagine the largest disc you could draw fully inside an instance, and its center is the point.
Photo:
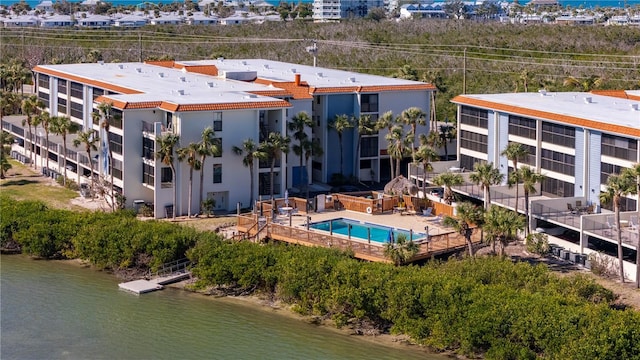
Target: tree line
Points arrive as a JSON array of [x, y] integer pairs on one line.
[[483, 306]]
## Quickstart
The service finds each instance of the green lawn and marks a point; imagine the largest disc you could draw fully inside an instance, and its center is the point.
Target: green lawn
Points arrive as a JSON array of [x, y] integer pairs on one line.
[[24, 183]]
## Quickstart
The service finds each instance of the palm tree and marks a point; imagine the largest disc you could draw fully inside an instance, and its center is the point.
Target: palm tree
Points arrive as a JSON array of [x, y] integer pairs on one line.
[[311, 147], [387, 121], [634, 173], [5, 149], [298, 125], [448, 180], [251, 153], [486, 175], [190, 154], [8, 102], [425, 156], [62, 125], [30, 107], [89, 139], [274, 147], [413, 117], [467, 214], [104, 111], [208, 146], [515, 152], [501, 225], [365, 127], [398, 146], [617, 187], [341, 124], [45, 122], [164, 152], [529, 180], [586, 84], [401, 250]]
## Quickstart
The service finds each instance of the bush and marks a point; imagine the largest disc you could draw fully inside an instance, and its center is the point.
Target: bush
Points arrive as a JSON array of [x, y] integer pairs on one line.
[[537, 243], [602, 264]]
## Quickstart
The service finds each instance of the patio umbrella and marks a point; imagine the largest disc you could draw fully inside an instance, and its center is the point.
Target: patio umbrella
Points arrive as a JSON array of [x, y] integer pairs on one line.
[[286, 198]]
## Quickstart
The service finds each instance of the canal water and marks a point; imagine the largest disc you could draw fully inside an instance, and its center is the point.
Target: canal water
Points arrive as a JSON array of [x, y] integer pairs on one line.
[[56, 310]]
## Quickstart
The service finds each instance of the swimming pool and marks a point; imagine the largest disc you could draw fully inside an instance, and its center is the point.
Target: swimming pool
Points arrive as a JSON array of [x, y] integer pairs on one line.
[[363, 230]]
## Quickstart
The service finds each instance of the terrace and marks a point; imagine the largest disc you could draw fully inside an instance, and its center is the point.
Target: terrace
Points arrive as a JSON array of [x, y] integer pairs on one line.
[[294, 229]]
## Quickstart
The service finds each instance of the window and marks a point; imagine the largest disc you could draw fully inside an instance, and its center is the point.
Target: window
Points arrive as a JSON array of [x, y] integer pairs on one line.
[[217, 121], [76, 90], [530, 158], [469, 162], [62, 86], [97, 92], [116, 169], [43, 81], [559, 162], [369, 147], [62, 106], [166, 177], [76, 110], [115, 143], [116, 118], [559, 134], [608, 169], [365, 164], [474, 117], [44, 97], [619, 147], [554, 187], [217, 173], [369, 103], [147, 174], [218, 142], [473, 141], [148, 148], [523, 127]]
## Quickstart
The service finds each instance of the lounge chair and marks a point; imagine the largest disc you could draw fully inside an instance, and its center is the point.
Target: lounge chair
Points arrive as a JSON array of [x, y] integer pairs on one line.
[[437, 219], [427, 211], [611, 228], [633, 223], [571, 208]]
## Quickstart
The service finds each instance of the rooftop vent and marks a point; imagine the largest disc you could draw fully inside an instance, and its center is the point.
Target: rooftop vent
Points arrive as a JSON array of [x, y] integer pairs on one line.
[[352, 79], [635, 107], [139, 70], [180, 92], [266, 66], [542, 92], [101, 62], [244, 63], [211, 84], [161, 74], [588, 100], [183, 79], [221, 59], [293, 70], [250, 96], [319, 74], [120, 66]]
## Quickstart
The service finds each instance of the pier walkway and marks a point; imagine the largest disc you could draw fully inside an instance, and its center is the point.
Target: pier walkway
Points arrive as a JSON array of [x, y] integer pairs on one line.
[[168, 274]]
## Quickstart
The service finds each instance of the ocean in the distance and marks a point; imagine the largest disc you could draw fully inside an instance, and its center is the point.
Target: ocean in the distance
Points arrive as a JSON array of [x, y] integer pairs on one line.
[[573, 3]]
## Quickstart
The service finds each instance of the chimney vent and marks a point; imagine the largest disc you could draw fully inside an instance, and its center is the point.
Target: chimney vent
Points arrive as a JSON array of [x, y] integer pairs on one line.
[[297, 76]]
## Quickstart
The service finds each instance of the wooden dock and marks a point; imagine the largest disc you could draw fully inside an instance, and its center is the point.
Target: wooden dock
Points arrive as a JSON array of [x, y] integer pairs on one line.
[[143, 286]]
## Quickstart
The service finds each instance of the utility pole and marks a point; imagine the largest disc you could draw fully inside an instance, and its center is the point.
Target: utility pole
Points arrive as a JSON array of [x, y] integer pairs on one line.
[[313, 50], [464, 71]]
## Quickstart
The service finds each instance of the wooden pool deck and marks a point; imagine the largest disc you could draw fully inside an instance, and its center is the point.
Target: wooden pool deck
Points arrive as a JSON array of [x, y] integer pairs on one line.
[[293, 230]]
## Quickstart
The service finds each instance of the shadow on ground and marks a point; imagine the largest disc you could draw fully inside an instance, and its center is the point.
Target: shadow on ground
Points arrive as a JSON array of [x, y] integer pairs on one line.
[[18, 182]]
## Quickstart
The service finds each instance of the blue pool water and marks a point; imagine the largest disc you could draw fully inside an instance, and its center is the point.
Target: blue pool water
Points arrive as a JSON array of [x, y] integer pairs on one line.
[[359, 230]]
